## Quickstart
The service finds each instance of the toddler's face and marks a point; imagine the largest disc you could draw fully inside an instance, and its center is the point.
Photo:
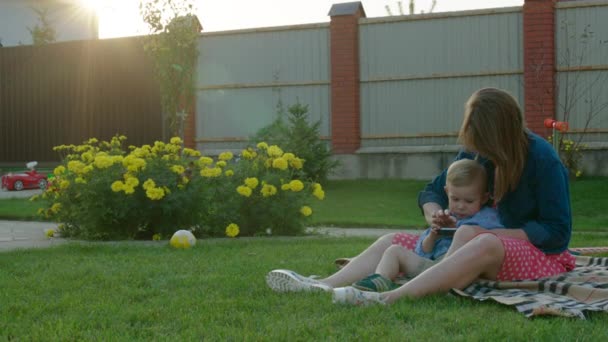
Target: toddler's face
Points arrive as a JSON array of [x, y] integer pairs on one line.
[[465, 200]]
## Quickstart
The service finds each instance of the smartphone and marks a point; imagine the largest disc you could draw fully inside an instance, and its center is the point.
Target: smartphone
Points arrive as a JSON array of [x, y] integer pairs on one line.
[[447, 231]]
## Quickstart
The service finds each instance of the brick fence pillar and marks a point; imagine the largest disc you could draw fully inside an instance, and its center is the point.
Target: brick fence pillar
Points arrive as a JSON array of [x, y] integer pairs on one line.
[[344, 59], [539, 63]]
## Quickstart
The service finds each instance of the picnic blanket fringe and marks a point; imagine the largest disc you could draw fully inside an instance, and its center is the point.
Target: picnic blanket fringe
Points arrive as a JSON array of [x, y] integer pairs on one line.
[[571, 294]]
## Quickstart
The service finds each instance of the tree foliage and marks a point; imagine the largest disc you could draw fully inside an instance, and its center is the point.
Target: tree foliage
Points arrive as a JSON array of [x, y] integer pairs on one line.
[[173, 46], [43, 32]]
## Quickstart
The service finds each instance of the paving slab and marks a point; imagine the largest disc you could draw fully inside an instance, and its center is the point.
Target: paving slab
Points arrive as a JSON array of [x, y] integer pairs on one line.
[[6, 194], [22, 234], [26, 234]]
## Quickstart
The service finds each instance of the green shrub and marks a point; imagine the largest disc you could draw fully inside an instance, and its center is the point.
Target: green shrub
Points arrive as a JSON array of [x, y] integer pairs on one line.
[[301, 138], [102, 191]]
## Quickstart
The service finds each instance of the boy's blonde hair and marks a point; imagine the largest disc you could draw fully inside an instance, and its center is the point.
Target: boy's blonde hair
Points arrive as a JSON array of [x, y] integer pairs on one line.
[[494, 127], [465, 172]]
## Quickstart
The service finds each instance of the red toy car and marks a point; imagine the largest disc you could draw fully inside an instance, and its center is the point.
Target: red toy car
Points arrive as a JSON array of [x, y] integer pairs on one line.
[[27, 180]]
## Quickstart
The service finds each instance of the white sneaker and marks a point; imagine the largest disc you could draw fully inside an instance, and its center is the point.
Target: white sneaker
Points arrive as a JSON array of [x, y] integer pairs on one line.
[[290, 281], [351, 295]]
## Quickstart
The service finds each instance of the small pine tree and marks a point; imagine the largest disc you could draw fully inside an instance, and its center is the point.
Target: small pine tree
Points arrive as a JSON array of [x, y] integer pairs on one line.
[[301, 138]]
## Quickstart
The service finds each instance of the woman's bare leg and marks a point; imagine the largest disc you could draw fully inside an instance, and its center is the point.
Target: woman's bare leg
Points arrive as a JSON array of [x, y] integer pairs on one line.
[[362, 265], [482, 257], [463, 235]]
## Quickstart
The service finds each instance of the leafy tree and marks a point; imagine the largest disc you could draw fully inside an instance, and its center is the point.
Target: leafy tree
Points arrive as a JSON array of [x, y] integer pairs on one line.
[[44, 32], [173, 47], [411, 8]]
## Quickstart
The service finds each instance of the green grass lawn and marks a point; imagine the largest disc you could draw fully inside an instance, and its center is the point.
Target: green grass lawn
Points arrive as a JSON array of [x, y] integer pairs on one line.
[[147, 291], [390, 203]]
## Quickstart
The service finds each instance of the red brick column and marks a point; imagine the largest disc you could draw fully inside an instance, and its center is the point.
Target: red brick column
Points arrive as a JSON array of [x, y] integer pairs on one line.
[[344, 58], [539, 63]]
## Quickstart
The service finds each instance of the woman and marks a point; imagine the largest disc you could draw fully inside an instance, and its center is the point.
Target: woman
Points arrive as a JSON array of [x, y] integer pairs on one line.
[[530, 189]]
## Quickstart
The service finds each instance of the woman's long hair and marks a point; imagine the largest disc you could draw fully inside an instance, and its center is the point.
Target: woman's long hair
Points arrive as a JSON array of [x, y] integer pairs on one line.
[[494, 127]]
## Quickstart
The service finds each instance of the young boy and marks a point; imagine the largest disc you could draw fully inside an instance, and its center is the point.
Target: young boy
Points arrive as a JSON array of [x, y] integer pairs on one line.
[[466, 187]]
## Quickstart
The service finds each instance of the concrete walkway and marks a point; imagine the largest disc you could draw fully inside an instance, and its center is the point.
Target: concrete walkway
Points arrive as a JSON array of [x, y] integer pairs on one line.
[[21, 234]]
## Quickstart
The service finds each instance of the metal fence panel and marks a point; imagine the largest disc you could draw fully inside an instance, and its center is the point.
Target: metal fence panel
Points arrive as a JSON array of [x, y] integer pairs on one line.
[[582, 64], [243, 75], [417, 72], [68, 92]]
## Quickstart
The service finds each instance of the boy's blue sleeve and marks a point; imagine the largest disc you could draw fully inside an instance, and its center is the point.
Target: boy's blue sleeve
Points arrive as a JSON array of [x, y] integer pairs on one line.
[[551, 230], [486, 218], [419, 249]]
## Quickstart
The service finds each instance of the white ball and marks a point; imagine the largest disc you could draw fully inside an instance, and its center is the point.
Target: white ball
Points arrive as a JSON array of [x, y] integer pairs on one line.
[[182, 239]]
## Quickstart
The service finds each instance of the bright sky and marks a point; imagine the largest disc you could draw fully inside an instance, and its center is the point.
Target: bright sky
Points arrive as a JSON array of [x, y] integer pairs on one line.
[[121, 17]]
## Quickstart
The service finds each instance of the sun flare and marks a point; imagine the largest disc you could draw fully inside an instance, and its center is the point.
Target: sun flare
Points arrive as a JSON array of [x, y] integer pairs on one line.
[[116, 18]]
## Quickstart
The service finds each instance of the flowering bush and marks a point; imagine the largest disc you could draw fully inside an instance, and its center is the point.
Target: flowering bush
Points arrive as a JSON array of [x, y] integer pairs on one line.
[[102, 191], [570, 153]]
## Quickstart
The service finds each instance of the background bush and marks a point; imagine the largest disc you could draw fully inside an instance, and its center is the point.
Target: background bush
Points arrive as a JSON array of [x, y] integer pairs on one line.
[[298, 136], [101, 191]]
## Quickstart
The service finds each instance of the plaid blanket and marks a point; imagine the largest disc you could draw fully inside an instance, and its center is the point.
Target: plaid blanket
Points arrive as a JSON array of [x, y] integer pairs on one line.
[[570, 294]]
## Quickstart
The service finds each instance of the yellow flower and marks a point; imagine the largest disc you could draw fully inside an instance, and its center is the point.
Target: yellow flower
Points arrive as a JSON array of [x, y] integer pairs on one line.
[[229, 173], [33, 198], [579, 173], [56, 207], [232, 230], [80, 180], [296, 163], [156, 237], [64, 184], [92, 141], [274, 151], [191, 153], [176, 141], [59, 170], [103, 162], [178, 169], [131, 181], [306, 210], [268, 190], [87, 157], [225, 156], [286, 187], [205, 161], [211, 172], [244, 190], [128, 189], [220, 163], [288, 156], [117, 186], [249, 153], [262, 145], [251, 182], [134, 163], [279, 163], [49, 232], [155, 194], [75, 166], [318, 191], [149, 184], [296, 185]]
